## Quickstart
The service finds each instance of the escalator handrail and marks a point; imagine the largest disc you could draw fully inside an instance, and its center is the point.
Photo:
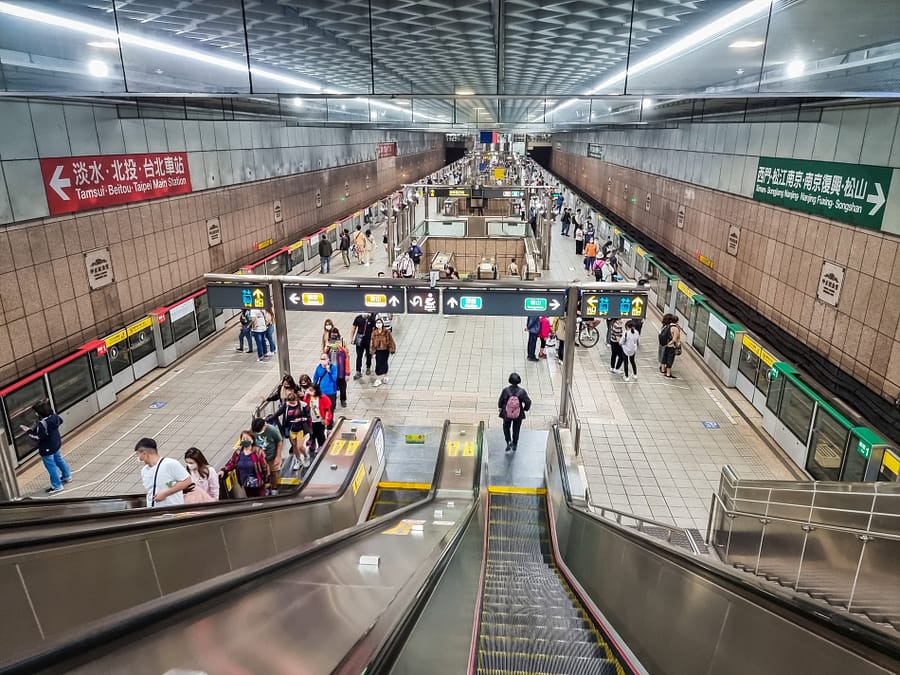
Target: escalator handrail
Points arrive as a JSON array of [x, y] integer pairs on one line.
[[853, 630], [149, 518], [389, 649], [105, 631]]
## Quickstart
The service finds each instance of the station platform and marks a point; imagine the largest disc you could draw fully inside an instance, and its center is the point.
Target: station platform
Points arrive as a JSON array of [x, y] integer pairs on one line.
[[652, 447]]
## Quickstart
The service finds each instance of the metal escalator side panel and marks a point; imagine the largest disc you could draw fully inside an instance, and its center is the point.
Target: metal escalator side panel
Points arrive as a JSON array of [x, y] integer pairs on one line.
[[476, 620]]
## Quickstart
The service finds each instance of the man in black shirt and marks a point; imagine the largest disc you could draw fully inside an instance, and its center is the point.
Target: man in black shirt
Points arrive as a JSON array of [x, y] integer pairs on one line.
[[360, 336], [325, 251]]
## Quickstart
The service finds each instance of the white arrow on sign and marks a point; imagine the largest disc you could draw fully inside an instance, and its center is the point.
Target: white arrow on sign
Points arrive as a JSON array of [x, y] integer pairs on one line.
[[877, 199], [294, 298], [394, 301], [452, 302], [554, 304], [57, 183]]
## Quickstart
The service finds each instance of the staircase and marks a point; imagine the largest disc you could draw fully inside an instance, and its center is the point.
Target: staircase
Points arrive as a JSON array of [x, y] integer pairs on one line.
[[531, 622]]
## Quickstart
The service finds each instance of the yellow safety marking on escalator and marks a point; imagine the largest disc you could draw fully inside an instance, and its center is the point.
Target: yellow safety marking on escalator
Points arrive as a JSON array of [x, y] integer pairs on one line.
[[515, 490], [396, 485], [351, 448], [452, 448], [403, 528], [469, 449], [358, 478], [337, 447], [288, 481]]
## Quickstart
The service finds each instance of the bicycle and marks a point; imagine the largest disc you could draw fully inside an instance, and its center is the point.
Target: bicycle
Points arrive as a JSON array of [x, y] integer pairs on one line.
[[587, 334]]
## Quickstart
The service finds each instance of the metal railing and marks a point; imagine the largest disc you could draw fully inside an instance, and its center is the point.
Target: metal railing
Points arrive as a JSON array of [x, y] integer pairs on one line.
[[850, 567], [574, 421], [670, 533]]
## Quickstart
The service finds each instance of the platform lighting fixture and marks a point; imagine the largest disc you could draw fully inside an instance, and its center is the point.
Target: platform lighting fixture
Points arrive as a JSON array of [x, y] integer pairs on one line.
[[103, 44], [98, 68], [464, 91], [746, 44], [701, 36], [297, 101], [795, 68]]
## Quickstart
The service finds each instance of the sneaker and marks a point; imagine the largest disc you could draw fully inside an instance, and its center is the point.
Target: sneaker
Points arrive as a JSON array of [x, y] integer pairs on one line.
[[356, 376], [261, 359], [66, 481], [508, 447], [533, 358], [377, 383], [515, 447], [634, 377], [625, 378], [249, 351], [51, 489], [368, 371], [343, 404], [384, 379], [238, 349], [296, 465]]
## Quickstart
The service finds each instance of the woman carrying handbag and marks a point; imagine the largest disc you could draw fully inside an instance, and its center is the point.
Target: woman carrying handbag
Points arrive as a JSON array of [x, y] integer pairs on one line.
[[249, 463]]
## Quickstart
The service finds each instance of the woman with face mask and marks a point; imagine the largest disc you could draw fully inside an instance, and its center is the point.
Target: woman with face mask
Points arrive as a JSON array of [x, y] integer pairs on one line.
[[383, 345], [333, 345], [249, 461], [320, 417], [206, 484]]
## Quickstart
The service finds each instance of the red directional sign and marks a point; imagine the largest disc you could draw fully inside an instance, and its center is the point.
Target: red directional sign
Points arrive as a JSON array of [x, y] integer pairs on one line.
[[81, 183]]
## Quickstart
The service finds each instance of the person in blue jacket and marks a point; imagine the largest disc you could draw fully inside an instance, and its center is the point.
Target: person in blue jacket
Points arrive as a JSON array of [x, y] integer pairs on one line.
[[534, 328], [326, 376], [46, 432]]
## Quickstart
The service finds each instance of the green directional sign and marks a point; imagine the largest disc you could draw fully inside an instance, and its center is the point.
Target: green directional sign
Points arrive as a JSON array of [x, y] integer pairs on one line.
[[849, 193], [470, 302], [535, 304]]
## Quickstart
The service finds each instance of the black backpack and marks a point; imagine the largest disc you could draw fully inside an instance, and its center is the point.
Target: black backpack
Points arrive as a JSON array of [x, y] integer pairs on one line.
[[665, 335]]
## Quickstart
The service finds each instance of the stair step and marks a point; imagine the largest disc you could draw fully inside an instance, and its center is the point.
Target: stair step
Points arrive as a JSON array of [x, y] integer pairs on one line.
[[566, 647], [531, 632], [549, 621], [525, 662]]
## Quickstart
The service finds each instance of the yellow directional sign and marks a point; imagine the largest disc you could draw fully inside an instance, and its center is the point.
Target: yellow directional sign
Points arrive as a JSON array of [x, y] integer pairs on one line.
[[376, 300], [313, 299], [337, 447], [259, 298], [351, 448]]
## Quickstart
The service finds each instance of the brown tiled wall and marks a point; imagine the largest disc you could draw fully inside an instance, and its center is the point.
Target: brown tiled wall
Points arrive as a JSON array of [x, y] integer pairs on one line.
[[160, 251], [468, 252], [777, 268]]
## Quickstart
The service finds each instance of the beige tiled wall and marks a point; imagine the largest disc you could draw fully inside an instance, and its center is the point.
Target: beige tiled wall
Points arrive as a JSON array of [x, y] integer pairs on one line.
[[777, 268], [159, 251]]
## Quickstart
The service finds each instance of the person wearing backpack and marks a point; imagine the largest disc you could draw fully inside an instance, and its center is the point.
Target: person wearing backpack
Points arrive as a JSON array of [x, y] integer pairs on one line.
[[245, 333], [49, 443], [671, 348], [415, 252], [664, 337], [513, 404]]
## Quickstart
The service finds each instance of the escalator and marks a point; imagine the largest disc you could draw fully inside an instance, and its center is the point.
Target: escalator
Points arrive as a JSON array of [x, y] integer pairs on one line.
[[392, 496], [530, 620]]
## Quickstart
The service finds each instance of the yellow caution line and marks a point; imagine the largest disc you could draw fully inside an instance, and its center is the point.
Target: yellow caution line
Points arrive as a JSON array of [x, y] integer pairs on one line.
[[515, 490], [393, 485]]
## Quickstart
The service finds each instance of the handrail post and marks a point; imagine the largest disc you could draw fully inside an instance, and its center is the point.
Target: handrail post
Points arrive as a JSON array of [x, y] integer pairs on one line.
[[573, 298]]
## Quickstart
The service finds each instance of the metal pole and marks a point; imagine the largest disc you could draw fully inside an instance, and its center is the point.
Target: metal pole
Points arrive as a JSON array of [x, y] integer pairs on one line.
[[281, 339], [568, 353], [9, 484]]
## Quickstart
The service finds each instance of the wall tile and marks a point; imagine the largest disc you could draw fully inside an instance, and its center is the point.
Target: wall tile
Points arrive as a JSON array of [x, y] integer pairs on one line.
[[112, 140], [82, 129], [880, 128], [50, 131], [16, 133], [25, 187], [850, 135], [135, 136]]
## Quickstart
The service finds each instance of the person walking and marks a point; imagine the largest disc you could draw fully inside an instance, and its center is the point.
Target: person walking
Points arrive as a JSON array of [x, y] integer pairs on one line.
[[533, 328], [206, 482], [543, 334], [270, 329], [383, 345], [617, 356], [590, 255], [49, 444], [579, 240], [671, 348], [249, 463], [560, 331], [325, 251], [370, 247], [258, 329], [361, 336], [321, 418], [164, 478], [415, 252], [513, 405], [344, 246], [333, 345], [269, 438], [245, 333], [631, 338]]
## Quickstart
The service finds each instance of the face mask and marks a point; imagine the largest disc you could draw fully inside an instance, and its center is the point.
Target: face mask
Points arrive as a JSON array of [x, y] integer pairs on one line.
[[246, 444], [379, 325], [191, 466], [328, 327]]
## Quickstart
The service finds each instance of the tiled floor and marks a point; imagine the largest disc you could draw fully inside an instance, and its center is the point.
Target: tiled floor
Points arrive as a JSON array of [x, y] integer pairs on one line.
[[644, 446]]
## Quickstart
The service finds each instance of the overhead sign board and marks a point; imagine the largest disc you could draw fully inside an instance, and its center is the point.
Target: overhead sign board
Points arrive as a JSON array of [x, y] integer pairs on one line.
[[238, 296], [496, 302], [448, 192], [423, 301], [91, 182], [849, 193], [595, 151], [613, 305], [339, 299]]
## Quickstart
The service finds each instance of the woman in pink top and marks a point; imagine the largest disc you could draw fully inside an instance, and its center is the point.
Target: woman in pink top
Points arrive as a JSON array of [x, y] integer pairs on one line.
[[206, 481], [543, 334]]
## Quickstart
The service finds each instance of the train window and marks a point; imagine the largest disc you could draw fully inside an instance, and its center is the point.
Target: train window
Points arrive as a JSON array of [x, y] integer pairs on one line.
[[663, 287], [683, 304], [796, 410], [296, 257], [184, 326], [71, 383], [18, 408], [773, 398], [717, 337], [855, 467], [701, 323], [100, 368], [165, 332], [829, 439], [141, 344], [206, 323], [748, 365]]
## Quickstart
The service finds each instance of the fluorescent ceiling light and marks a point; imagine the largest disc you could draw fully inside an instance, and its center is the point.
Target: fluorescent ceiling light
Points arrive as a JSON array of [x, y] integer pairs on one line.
[[98, 68], [746, 44], [103, 45], [795, 68], [401, 102], [297, 101], [646, 103], [464, 91], [699, 37]]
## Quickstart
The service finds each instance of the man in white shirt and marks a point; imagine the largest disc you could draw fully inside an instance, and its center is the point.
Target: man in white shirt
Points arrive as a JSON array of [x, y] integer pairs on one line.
[[164, 478]]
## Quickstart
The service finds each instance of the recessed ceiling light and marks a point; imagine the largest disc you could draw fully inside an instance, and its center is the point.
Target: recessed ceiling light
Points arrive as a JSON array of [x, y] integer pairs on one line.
[[464, 91], [297, 101], [402, 102], [343, 107], [98, 68], [740, 71], [746, 44], [795, 68], [103, 45], [646, 103], [158, 71]]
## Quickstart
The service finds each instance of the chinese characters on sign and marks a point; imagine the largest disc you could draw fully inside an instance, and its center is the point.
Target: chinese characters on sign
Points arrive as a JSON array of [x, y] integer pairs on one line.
[[99, 268], [384, 150], [850, 193], [612, 305], [79, 183]]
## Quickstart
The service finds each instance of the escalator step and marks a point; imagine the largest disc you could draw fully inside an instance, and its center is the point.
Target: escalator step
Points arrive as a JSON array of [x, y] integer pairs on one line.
[[548, 621], [564, 647], [530, 632], [527, 662]]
